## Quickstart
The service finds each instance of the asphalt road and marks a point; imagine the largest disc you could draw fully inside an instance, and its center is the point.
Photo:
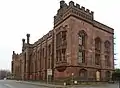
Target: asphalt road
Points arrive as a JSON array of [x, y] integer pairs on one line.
[[14, 84]]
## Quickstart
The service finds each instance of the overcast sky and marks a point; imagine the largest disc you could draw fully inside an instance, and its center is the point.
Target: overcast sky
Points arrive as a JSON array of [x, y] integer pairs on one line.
[[18, 17]]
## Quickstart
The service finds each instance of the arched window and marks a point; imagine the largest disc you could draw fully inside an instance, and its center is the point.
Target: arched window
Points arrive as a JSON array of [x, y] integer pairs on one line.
[[97, 50], [82, 43], [107, 52]]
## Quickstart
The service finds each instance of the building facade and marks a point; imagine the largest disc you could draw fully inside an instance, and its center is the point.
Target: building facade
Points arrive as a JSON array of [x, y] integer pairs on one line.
[[77, 46]]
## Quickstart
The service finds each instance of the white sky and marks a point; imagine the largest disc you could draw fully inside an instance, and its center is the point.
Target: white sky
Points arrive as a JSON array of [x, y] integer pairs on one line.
[[18, 17]]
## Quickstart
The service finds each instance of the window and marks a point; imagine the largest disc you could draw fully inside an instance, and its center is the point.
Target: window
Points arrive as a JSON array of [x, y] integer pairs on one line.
[[49, 56], [60, 57], [63, 35], [98, 44], [97, 50], [63, 54], [107, 62], [43, 52], [97, 59], [82, 36], [40, 54], [80, 57], [80, 40], [49, 50], [107, 46], [107, 53], [81, 48], [61, 45], [58, 40]]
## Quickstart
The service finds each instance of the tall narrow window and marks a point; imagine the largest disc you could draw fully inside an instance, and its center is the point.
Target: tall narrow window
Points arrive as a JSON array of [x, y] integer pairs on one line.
[[97, 50], [57, 56], [43, 52], [63, 35], [81, 48], [60, 57], [107, 53], [80, 40], [49, 57], [63, 54], [40, 54], [49, 49]]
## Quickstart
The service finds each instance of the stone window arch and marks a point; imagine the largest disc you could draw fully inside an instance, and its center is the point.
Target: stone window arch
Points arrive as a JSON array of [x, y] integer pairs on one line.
[[97, 50], [82, 37]]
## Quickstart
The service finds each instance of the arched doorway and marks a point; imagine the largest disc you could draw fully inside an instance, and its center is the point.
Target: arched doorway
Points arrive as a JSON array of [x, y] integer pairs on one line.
[[98, 75], [83, 74]]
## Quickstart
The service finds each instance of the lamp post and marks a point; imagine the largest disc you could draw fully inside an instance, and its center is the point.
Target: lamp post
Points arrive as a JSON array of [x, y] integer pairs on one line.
[[72, 79]]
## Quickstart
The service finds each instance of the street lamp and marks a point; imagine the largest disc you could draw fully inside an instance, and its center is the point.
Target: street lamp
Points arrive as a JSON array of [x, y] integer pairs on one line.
[[72, 79]]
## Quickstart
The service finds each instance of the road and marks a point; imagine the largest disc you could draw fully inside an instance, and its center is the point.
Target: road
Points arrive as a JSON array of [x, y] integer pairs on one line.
[[14, 84]]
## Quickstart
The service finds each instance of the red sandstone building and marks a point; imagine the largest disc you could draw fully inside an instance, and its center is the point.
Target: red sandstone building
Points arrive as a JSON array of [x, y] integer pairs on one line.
[[78, 45]]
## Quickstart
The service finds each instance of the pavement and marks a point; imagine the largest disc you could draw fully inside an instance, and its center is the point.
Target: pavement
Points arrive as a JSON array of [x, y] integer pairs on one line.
[[42, 84], [71, 86], [26, 84]]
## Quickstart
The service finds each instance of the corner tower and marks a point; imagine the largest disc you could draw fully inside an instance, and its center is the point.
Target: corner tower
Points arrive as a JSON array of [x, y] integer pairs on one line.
[[65, 53], [75, 47]]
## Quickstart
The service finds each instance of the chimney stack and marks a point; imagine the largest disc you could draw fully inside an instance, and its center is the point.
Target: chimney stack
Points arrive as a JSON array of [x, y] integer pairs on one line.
[[23, 41], [28, 36], [13, 52]]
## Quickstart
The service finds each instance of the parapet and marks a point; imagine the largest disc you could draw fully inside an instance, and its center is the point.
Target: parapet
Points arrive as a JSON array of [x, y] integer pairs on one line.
[[44, 38], [72, 9]]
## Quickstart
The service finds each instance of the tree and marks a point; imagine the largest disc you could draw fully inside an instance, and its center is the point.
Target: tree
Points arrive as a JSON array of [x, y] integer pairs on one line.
[[116, 76], [4, 73], [117, 70]]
